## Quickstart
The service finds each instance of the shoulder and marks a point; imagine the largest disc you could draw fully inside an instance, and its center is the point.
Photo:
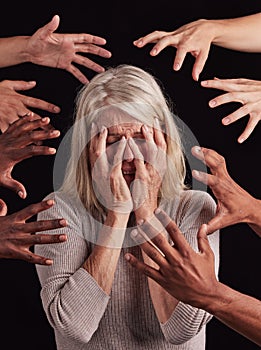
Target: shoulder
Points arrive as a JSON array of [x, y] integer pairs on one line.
[[191, 204], [65, 205]]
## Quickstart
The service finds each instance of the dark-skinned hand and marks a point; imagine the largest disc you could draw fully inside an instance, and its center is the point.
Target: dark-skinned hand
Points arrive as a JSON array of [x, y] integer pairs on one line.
[[23, 140], [17, 235]]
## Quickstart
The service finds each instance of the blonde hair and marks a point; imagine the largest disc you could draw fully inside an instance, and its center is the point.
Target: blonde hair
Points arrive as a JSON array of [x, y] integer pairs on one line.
[[137, 93]]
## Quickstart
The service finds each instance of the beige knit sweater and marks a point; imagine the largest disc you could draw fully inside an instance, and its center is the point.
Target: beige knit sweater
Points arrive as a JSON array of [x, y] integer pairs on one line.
[[85, 317]]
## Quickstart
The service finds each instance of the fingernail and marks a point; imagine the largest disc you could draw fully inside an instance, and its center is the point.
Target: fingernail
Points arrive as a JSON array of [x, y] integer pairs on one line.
[[63, 222], [145, 127], [176, 66], [21, 194], [62, 238], [212, 103], [241, 139], [157, 211], [140, 222], [226, 121], [204, 83], [48, 262], [45, 119], [55, 133], [52, 150], [197, 149], [139, 42], [56, 109], [154, 52], [103, 128], [196, 173], [134, 233], [127, 257], [157, 122]]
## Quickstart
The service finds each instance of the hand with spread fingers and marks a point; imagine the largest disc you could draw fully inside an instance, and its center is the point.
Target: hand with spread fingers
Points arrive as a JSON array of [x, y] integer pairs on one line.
[[234, 204], [193, 38], [47, 48], [190, 276], [14, 105], [17, 236], [150, 169], [245, 91], [108, 182], [190, 267], [20, 141], [197, 37]]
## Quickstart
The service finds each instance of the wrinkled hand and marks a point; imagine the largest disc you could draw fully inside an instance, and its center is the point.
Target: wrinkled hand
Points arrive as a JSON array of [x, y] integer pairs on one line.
[[51, 49], [149, 171], [21, 141], [14, 105], [17, 236], [245, 91], [194, 38], [108, 182], [234, 204], [185, 274]]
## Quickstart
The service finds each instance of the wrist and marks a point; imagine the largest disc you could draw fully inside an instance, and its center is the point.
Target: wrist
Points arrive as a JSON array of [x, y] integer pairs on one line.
[[115, 219], [24, 54], [218, 299]]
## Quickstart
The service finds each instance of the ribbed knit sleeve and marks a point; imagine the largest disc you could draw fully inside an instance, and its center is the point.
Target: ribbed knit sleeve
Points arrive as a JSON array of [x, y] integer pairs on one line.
[[73, 301], [194, 209]]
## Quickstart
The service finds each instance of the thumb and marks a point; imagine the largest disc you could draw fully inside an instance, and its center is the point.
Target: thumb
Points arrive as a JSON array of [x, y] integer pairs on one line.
[[51, 27], [15, 186], [216, 224], [3, 208], [203, 243]]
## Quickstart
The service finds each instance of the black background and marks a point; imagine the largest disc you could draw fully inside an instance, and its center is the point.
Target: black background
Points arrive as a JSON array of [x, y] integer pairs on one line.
[[23, 322]]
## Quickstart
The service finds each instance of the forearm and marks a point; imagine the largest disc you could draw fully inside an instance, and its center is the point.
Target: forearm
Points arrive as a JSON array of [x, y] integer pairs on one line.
[[164, 304], [13, 51], [238, 33], [238, 311], [102, 262]]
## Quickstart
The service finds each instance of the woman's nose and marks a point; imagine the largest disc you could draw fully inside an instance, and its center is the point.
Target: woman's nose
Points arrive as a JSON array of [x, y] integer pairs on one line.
[[128, 155]]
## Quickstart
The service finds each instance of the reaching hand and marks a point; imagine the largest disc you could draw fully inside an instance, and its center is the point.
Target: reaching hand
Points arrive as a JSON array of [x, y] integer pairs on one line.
[[187, 275], [14, 105], [194, 38], [234, 204], [51, 49], [20, 141], [245, 91], [17, 236]]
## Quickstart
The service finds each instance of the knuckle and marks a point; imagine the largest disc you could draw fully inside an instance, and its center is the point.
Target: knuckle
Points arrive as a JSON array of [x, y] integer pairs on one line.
[[13, 228]]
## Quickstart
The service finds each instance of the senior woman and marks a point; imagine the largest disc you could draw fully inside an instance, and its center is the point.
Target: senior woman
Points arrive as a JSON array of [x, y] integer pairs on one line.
[[126, 160]]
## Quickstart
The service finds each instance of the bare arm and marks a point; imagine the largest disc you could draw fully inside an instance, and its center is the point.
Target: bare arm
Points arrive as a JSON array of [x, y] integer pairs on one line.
[[190, 277], [236, 310], [238, 33], [196, 38], [13, 50], [103, 260]]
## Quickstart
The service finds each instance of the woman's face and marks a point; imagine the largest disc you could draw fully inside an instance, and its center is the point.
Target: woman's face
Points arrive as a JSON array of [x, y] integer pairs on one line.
[[119, 125], [115, 133]]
